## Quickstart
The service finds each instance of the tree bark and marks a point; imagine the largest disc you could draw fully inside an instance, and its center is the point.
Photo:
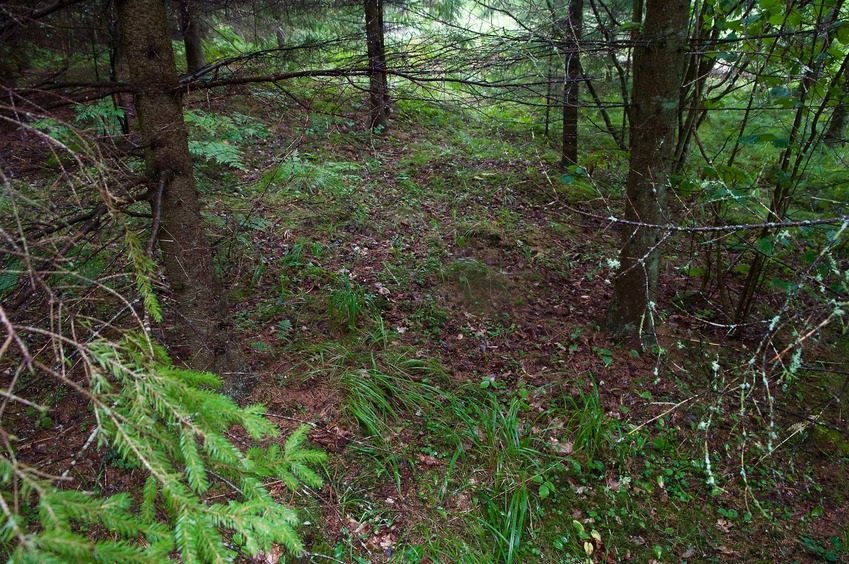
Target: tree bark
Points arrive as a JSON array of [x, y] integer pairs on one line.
[[14, 57], [659, 58], [835, 135], [191, 37], [202, 312], [378, 81], [571, 88]]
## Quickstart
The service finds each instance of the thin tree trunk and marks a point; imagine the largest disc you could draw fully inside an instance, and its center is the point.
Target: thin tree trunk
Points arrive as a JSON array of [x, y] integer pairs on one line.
[[605, 115], [14, 56], [835, 135], [191, 37], [789, 165], [115, 56], [548, 100], [609, 40], [202, 312], [378, 81], [658, 69], [571, 88], [698, 69]]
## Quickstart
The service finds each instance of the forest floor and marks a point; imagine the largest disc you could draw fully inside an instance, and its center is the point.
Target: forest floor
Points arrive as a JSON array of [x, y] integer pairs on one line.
[[426, 301]]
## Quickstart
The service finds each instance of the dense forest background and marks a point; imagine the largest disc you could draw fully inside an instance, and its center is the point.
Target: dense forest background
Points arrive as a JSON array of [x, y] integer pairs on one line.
[[440, 281]]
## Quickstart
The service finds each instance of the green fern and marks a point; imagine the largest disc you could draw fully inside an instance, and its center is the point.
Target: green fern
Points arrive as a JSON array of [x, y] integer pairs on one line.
[[220, 152], [216, 137]]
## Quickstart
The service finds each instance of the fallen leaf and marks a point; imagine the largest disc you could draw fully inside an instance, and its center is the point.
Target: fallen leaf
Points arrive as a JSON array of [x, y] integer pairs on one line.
[[270, 557], [564, 448], [428, 460]]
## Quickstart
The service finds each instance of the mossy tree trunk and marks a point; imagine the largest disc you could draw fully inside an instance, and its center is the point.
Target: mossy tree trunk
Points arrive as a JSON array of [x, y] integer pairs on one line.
[[571, 89], [202, 313], [378, 81], [659, 57]]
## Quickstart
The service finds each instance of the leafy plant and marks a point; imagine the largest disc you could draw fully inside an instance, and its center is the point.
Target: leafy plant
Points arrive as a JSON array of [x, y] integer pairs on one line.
[[217, 137], [333, 179], [225, 42], [104, 116], [830, 551], [477, 279]]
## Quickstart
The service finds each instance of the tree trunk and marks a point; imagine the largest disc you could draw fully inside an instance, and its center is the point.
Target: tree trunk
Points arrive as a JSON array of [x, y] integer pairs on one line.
[[835, 135], [658, 68], [202, 312], [574, 25], [378, 82], [14, 56], [697, 71], [119, 100], [191, 37]]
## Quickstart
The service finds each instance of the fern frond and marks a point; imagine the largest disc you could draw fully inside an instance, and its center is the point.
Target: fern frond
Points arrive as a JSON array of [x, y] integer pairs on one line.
[[210, 544], [221, 450], [254, 489], [220, 152], [145, 269], [306, 475], [192, 377], [295, 440], [286, 535]]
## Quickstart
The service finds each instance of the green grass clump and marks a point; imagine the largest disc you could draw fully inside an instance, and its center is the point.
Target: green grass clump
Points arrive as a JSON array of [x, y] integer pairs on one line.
[[348, 302], [479, 281]]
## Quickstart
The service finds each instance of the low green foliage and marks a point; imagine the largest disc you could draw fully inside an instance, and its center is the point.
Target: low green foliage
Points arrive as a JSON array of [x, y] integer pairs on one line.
[[589, 424], [519, 455], [218, 137], [104, 116], [225, 42], [513, 456], [831, 550], [348, 302], [478, 280], [169, 423]]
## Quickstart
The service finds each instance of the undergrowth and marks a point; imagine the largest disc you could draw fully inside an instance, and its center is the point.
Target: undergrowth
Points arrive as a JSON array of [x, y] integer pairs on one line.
[[170, 425], [437, 295]]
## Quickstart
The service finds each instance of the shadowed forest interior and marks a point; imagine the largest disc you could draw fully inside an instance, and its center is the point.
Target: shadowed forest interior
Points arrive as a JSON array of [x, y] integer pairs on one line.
[[424, 281]]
